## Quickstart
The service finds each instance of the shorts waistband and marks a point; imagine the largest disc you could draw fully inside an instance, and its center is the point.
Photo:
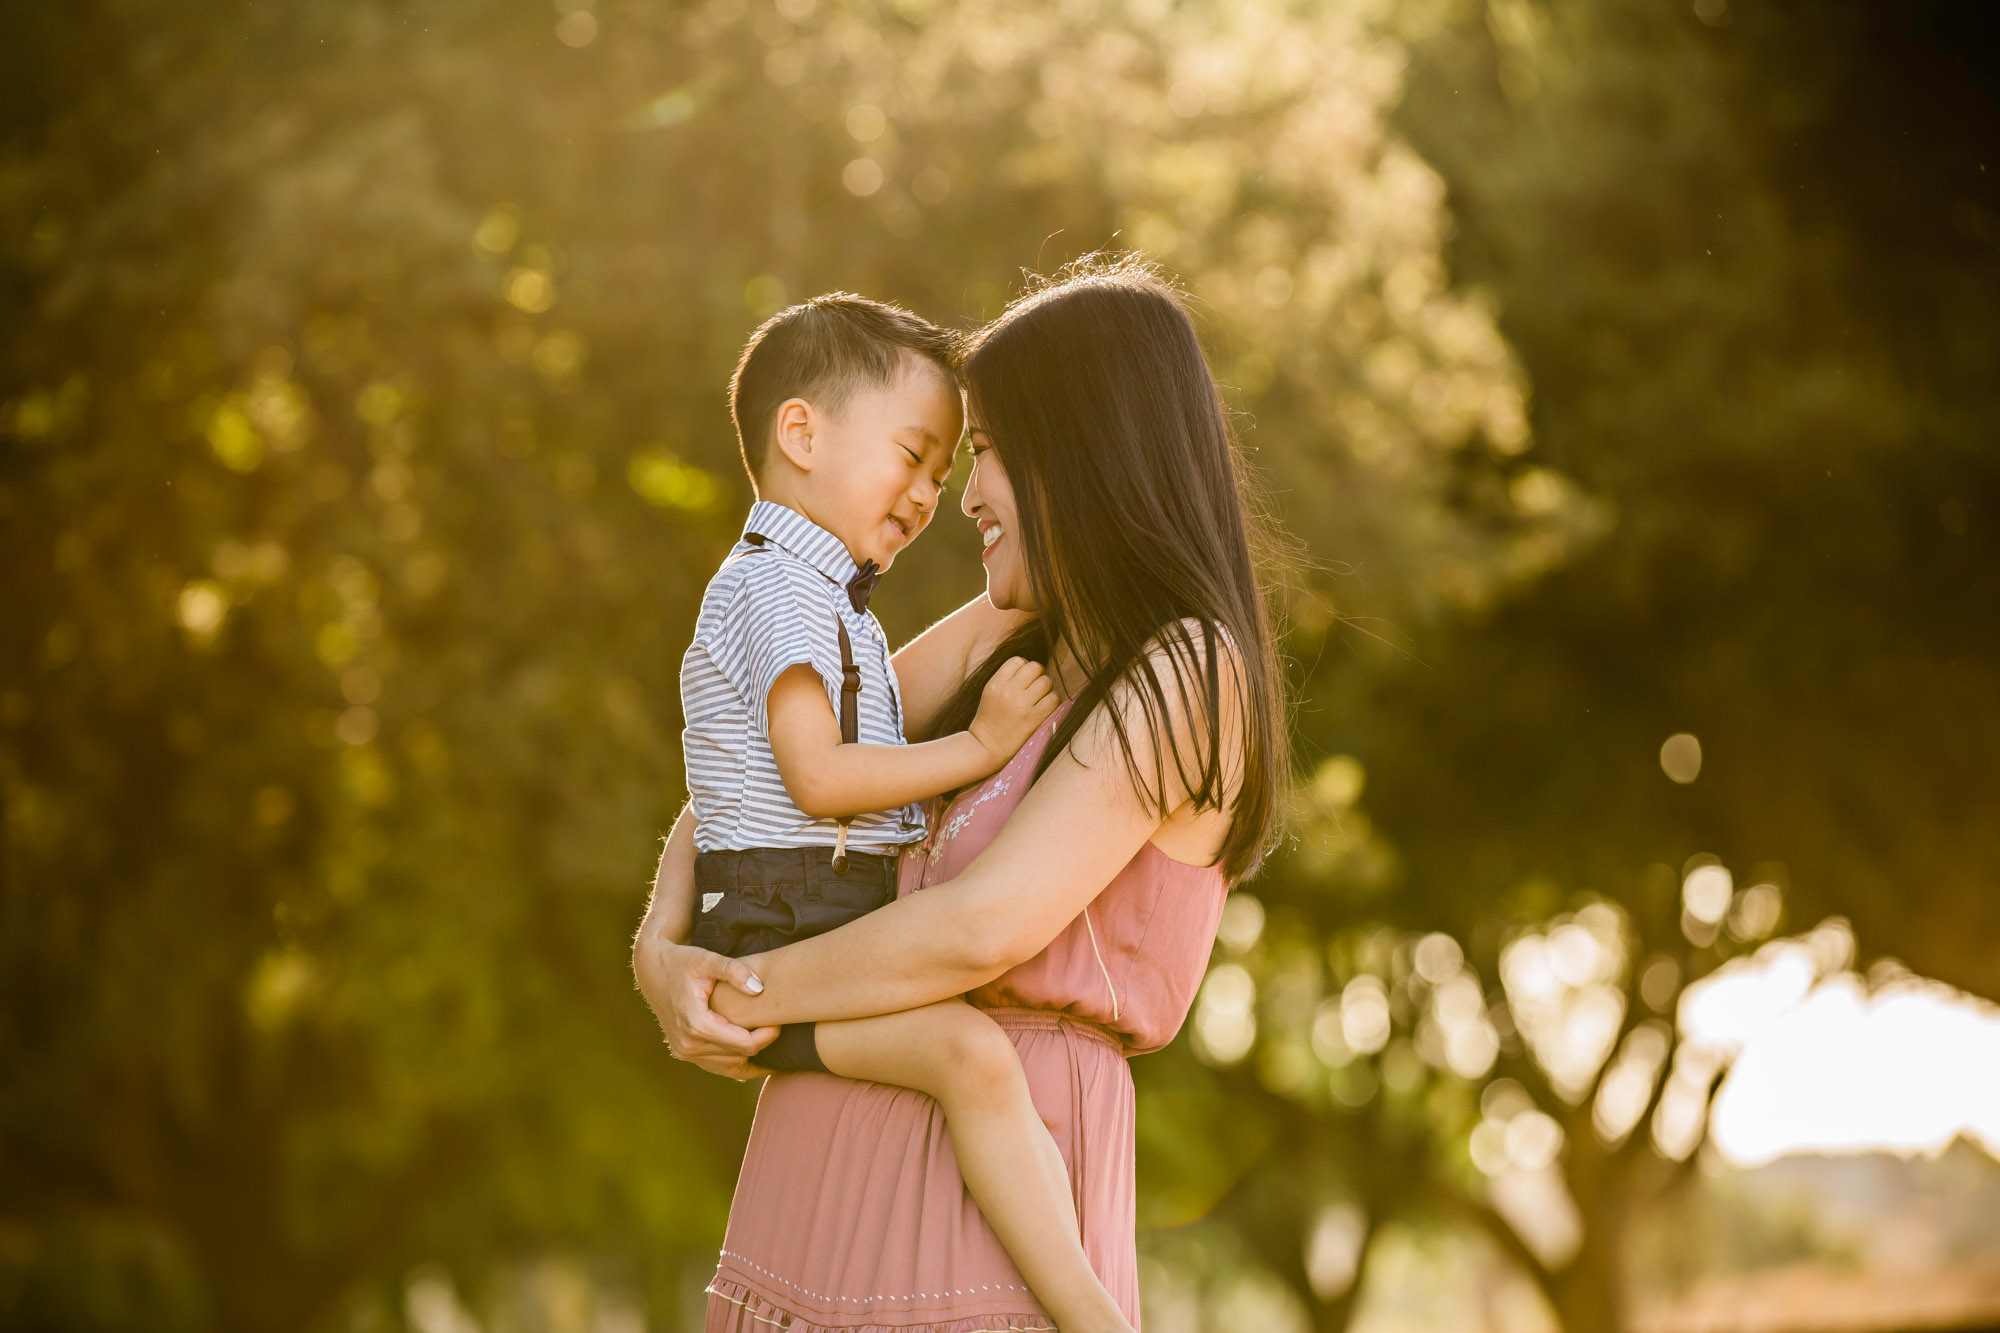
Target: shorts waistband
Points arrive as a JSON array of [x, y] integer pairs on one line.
[[1016, 1018], [802, 855], [801, 865]]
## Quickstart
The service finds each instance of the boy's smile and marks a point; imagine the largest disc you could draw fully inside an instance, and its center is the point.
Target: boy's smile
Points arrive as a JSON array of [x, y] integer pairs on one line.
[[872, 471]]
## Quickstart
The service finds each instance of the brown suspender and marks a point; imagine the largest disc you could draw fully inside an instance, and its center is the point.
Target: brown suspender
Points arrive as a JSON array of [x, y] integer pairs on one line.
[[850, 727], [850, 690]]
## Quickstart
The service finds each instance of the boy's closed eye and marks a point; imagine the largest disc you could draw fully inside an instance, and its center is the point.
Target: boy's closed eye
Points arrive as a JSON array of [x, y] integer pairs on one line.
[[940, 479]]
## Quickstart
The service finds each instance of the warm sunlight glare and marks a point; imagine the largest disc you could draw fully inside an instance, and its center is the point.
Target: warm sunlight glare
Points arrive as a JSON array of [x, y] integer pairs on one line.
[[1903, 1066]]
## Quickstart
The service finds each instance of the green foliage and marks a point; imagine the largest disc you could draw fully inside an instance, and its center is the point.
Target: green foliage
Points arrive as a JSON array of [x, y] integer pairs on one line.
[[363, 450], [1763, 372]]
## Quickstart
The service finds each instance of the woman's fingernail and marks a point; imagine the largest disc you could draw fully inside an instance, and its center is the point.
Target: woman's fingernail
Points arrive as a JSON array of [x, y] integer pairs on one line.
[[756, 987]]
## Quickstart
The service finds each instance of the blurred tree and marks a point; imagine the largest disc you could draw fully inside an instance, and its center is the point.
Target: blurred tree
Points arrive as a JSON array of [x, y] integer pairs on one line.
[[364, 454], [1757, 328]]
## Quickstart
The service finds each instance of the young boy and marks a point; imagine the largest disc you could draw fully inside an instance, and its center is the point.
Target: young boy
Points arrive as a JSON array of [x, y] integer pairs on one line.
[[848, 413]]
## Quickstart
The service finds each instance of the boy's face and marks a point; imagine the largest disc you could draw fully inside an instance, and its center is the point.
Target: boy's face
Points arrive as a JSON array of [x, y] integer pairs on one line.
[[880, 463]]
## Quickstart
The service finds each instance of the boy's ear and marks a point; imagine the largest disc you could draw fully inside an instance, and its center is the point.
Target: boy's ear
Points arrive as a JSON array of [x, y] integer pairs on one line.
[[792, 432]]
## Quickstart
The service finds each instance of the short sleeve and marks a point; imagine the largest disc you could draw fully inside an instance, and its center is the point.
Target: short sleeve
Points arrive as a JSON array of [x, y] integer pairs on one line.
[[779, 617]]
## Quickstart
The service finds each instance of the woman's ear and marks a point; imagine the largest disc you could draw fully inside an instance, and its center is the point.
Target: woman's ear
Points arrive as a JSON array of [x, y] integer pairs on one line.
[[793, 431]]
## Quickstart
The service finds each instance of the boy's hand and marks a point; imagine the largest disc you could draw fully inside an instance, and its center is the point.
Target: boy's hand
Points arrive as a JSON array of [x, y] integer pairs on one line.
[[1018, 699]]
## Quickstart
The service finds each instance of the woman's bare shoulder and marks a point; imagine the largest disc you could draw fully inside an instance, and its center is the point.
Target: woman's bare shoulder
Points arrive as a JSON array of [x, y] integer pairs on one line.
[[1178, 661], [1183, 694]]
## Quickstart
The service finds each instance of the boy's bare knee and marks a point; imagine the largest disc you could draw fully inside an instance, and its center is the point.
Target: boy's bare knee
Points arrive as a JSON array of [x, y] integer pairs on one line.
[[982, 1060]]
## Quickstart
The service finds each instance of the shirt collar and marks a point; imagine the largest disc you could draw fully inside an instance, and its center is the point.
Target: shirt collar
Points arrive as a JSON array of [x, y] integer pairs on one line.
[[800, 536]]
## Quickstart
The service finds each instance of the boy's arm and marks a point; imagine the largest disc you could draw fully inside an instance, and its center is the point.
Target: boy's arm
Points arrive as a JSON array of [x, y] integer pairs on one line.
[[931, 667], [829, 780]]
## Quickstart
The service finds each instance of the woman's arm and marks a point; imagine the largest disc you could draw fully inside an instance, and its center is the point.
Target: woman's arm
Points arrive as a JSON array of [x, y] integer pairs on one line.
[[678, 980], [670, 910], [1077, 827], [930, 667]]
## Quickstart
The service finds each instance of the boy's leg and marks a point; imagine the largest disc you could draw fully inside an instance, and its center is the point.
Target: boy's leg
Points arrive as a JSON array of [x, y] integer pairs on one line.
[[1012, 1168]]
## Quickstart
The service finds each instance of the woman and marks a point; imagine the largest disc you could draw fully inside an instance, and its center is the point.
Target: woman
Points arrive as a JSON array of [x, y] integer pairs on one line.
[[1075, 893]]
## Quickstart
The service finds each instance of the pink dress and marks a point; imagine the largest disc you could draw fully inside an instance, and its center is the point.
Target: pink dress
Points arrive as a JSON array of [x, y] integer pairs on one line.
[[850, 1214]]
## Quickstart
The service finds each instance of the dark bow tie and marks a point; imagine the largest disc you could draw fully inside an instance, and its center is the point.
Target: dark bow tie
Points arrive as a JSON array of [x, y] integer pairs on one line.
[[862, 584]]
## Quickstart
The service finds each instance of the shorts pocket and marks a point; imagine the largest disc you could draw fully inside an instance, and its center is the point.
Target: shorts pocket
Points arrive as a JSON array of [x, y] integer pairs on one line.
[[840, 901]]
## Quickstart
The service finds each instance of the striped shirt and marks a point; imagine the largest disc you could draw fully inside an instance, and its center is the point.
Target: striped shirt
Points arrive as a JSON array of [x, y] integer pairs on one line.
[[770, 607]]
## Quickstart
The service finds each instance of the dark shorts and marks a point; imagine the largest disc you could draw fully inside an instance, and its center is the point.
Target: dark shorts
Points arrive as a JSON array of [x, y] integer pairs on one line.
[[772, 896]]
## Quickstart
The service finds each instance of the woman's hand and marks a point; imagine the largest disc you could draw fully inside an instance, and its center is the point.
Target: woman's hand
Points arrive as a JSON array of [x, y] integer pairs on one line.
[[678, 981]]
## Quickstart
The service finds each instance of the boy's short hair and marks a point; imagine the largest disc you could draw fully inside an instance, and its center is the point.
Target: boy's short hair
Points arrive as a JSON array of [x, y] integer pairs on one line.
[[822, 350]]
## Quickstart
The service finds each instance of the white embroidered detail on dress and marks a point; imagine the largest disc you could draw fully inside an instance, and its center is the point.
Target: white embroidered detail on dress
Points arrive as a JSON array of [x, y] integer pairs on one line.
[[963, 815], [709, 900], [863, 1300], [785, 1323]]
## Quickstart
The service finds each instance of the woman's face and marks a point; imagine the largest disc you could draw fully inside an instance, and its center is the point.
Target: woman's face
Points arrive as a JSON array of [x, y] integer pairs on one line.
[[989, 502]]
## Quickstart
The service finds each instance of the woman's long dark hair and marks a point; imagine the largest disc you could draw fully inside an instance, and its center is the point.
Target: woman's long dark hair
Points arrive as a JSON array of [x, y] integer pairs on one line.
[[1096, 395]]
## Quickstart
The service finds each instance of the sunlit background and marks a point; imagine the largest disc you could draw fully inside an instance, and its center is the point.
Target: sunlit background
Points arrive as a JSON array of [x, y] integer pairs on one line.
[[1623, 372]]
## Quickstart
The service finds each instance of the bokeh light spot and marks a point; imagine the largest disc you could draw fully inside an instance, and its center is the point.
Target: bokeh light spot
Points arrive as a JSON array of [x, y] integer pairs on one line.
[[1364, 1014], [665, 481], [235, 441], [1225, 1016], [1680, 757], [863, 176], [530, 290], [1333, 1250], [357, 726], [1438, 958], [1706, 893], [1242, 922], [559, 356], [498, 230], [1338, 781], [1755, 912], [866, 122], [201, 608]]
